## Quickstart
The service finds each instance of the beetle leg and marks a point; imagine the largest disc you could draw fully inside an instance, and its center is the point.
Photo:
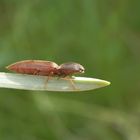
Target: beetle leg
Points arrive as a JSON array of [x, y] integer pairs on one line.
[[46, 81], [68, 78], [36, 72], [48, 78]]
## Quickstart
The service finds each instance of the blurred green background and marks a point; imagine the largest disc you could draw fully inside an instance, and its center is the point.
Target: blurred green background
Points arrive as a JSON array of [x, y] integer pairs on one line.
[[104, 36]]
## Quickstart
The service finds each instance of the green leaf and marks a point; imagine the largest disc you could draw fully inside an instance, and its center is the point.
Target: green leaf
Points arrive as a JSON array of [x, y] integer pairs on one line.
[[34, 82]]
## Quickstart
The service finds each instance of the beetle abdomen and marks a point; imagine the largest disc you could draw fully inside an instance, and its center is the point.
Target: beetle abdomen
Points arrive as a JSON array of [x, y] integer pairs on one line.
[[34, 67]]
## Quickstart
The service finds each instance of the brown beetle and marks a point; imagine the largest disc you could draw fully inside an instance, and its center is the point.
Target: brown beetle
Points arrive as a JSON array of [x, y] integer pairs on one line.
[[46, 68]]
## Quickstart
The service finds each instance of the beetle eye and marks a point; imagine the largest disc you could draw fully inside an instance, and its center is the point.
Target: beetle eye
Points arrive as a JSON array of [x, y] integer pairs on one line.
[[81, 70]]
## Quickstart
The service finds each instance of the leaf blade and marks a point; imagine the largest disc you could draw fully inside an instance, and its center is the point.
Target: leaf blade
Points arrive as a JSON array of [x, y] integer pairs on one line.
[[32, 82]]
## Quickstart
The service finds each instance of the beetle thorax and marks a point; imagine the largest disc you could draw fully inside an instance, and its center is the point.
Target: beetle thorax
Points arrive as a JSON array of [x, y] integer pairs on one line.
[[70, 68]]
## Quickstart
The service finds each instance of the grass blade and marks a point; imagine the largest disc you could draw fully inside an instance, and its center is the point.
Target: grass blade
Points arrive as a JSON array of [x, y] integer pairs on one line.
[[32, 82]]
